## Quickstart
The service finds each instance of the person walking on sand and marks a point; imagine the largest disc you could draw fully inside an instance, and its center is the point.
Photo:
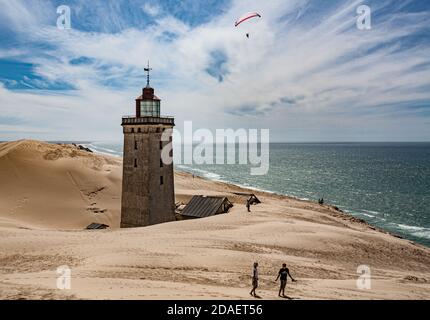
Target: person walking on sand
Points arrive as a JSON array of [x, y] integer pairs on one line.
[[283, 273], [254, 279], [248, 205]]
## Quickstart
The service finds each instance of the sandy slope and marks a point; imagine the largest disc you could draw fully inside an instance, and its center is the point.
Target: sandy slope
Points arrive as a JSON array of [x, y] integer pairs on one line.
[[48, 193], [44, 185]]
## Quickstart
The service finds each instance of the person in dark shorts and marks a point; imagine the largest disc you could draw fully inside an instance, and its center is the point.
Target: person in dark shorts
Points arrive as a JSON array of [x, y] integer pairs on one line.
[[283, 273], [254, 279]]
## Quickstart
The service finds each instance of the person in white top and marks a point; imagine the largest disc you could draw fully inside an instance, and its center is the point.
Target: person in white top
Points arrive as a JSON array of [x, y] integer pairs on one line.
[[254, 279]]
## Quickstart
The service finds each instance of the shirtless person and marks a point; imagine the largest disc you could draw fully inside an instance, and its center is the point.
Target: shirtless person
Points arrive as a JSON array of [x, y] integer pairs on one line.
[[284, 273]]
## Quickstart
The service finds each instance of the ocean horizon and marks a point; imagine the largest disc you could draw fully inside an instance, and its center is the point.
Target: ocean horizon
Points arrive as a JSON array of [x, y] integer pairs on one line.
[[384, 183]]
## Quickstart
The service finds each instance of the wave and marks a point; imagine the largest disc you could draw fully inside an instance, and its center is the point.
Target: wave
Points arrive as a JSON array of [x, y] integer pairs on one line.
[[420, 232], [206, 174], [408, 227], [247, 186], [216, 177], [102, 150], [370, 212]]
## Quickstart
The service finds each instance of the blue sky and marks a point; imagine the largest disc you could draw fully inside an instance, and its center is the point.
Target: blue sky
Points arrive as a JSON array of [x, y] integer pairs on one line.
[[306, 72]]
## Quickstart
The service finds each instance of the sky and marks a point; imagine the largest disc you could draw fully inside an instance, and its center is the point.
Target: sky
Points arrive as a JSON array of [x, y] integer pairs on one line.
[[306, 72]]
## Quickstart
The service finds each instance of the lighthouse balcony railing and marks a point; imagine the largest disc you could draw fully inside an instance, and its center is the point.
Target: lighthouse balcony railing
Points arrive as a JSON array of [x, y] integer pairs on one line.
[[148, 120]]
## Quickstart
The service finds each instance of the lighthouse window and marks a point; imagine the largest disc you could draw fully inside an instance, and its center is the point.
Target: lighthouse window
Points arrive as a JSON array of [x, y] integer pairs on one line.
[[138, 130], [132, 130], [161, 163], [161, 180], [150, 108], [161, 145], [135, 163], [135, 145]]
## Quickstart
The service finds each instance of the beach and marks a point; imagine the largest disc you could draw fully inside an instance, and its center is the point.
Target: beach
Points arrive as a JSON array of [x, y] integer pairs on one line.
[[50, 193]]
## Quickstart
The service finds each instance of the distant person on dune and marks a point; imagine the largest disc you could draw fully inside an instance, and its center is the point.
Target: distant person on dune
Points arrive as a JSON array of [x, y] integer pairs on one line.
[[283, 273], [254, 279], [248, 205]]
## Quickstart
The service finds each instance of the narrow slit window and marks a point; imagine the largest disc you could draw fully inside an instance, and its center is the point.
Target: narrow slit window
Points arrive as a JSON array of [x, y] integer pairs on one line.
[[161, 180], [135, 145], [161, 163], [135, 163]]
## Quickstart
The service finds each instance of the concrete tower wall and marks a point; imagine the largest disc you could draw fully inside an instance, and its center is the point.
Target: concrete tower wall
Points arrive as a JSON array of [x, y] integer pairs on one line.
[[145, 201]]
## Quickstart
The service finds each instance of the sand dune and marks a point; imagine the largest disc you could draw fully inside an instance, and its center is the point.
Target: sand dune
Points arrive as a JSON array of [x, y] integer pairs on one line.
[[51, 186], [49, 193]]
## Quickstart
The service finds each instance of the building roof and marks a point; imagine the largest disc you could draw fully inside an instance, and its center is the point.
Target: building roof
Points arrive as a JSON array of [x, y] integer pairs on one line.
[[148, 93], [252, 198], [204, 206], [154, 97], [97, 226]]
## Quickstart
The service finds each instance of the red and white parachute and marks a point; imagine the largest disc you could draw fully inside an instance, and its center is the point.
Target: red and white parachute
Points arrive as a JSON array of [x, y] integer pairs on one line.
[[247, 16]]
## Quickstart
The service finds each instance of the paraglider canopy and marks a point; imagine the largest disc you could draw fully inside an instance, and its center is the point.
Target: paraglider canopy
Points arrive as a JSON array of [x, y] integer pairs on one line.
[[247, 16]]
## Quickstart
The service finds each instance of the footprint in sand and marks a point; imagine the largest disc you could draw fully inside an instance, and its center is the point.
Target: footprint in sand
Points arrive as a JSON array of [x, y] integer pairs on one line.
[[93, 209]]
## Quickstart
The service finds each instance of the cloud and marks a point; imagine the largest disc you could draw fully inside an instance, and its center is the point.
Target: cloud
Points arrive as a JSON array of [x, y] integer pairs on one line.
[[218, 65], [248, 110], [151, 9], [10, 120], [290, 100], [305, 64]]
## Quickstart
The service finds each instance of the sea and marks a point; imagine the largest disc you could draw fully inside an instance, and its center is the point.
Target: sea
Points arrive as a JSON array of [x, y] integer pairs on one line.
[[386, 184]]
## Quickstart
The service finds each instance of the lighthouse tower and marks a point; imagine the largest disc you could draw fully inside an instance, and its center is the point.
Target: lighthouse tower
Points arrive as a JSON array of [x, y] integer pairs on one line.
[[147, 186]]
